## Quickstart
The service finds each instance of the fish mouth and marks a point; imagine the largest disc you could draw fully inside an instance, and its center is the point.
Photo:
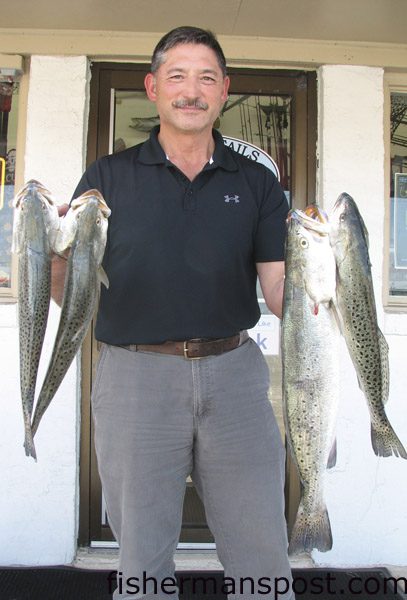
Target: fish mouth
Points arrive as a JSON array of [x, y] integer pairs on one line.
[[32, 189], [317, 213], [312, 218], [91, 195]]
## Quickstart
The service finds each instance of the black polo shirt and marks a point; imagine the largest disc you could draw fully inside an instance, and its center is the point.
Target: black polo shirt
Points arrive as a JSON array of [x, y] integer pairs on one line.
[[181, 256]]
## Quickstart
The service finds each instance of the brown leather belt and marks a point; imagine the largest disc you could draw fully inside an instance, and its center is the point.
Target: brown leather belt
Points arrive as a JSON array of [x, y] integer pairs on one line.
[[195, 348]]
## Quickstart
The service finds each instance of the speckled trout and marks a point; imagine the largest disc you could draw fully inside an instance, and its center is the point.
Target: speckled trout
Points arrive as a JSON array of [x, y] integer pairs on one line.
[[356, 302], [35, 228], [310, 359], [85, 232]]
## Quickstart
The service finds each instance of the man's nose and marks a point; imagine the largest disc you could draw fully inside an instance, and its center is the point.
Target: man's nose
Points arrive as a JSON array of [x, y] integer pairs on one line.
[[191, 88]]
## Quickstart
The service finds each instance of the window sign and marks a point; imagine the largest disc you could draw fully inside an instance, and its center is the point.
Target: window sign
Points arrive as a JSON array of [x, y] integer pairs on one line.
[[8, 136], [253, 152]]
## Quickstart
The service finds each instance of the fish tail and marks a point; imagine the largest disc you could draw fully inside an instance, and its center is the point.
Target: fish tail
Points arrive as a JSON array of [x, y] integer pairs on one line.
[[29, 444], [311, 530], [385, 441]]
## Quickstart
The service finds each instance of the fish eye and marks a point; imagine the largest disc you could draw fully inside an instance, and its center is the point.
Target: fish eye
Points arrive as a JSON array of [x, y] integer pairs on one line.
[[98, 221], [304, 243]]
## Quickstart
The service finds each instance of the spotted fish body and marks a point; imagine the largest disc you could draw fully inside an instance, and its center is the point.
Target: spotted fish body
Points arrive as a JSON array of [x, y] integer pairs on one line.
[[35, 226], [366, 343], [88, 239], [310, 358]]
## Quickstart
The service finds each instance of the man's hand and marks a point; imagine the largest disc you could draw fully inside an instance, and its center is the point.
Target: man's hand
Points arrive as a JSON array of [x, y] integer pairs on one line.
[[58, 267]]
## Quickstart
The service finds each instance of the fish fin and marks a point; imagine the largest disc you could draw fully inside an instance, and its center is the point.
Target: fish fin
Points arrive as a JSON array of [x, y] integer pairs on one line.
[[360, 383], [103, 277], [332, 456], [16, 242], [16, 235], [365, 234], [384, 360], [315, 309], [29, 444], [312, 530], [333, 305], [385, 442]]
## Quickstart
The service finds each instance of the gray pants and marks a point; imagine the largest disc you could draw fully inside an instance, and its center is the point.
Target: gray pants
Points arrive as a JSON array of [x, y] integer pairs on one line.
[[160, 418]]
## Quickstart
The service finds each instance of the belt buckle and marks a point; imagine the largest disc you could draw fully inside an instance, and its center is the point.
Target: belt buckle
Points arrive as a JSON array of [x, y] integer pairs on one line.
[[186, 353]]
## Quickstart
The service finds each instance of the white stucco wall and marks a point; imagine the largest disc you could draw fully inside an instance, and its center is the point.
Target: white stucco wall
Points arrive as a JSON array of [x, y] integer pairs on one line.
[[38, 501], [365, 494]]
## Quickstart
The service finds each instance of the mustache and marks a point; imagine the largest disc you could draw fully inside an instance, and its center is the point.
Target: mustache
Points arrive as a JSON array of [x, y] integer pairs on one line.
[[191, 103]]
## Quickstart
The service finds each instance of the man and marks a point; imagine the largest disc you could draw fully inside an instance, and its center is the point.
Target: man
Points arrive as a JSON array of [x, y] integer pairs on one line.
[[182, 262]]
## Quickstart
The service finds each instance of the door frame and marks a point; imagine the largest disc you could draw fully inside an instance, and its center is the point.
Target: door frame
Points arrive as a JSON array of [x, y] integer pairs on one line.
[[126, 76]]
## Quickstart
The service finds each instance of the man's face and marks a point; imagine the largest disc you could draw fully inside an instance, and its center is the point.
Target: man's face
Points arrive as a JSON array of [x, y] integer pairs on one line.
[[188, 88]]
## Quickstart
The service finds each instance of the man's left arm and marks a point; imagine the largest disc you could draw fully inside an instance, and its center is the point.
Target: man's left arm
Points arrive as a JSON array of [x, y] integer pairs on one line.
[[271, 278]]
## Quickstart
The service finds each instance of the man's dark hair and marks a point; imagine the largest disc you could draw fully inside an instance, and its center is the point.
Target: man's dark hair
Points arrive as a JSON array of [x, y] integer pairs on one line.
[[187, 35]]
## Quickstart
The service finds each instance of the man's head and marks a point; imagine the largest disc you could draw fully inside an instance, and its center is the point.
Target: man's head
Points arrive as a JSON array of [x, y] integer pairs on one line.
[[187, 35], [187, 81]]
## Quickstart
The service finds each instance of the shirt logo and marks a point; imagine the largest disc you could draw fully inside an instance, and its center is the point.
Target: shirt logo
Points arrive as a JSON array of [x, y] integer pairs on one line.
[[234, 198]]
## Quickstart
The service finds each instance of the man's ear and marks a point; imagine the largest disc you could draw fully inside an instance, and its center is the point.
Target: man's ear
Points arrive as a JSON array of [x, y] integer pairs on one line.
[[226, 84], [149, 84]]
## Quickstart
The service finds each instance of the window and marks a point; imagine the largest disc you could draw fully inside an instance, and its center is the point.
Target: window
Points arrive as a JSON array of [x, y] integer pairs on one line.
[[397, 207], [9, 100]]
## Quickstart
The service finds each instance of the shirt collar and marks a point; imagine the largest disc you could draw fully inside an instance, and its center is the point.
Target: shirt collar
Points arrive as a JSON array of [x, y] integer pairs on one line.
[[151, 152]]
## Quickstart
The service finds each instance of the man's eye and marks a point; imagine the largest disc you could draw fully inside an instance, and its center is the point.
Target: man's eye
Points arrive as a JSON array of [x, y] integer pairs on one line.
[[209, 79]]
